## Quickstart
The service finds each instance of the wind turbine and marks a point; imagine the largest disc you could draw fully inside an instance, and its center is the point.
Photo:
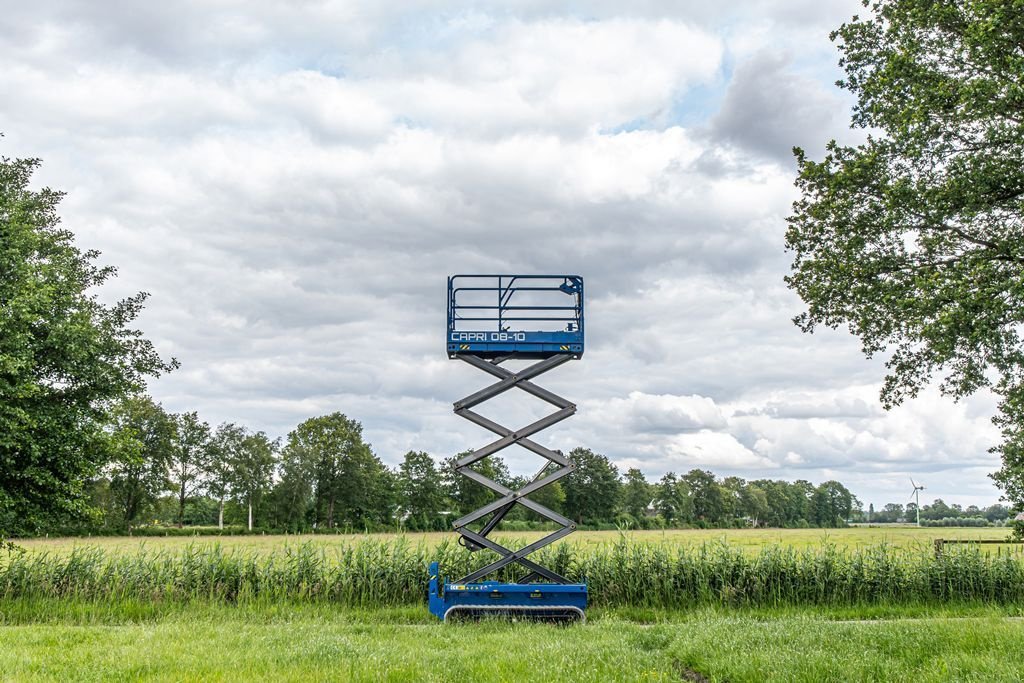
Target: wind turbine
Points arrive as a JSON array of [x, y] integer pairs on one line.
[[916, 497]]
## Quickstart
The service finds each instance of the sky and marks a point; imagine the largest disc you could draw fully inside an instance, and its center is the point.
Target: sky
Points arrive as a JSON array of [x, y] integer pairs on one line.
[[293, 182]]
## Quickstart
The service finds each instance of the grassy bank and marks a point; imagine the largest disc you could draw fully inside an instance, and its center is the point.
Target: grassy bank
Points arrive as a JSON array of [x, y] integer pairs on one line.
[[211, 643], [374, 573]]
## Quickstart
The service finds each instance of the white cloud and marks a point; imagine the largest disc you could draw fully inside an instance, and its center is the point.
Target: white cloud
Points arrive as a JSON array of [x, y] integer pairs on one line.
[[293, 183]]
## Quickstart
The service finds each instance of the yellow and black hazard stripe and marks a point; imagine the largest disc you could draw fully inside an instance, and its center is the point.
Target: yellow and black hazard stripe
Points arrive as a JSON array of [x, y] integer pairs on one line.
[[463, 347], [564, 347]]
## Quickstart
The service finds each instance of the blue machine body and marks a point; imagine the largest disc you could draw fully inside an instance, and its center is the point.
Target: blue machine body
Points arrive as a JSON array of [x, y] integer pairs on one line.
[[493, 319], [531, 316], [448, 599]]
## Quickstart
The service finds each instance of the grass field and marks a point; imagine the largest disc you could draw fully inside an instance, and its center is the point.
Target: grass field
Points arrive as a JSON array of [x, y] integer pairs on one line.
[[749, 539], [301, 644], [859, 604]]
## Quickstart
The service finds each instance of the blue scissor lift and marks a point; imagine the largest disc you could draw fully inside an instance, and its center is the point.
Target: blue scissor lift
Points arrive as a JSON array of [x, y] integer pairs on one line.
[[493, 319]]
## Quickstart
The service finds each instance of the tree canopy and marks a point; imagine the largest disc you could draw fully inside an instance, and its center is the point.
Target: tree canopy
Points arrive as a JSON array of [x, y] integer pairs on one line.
[[348, 482], [592, 490], [914, 239], [141, 437], [65, 357]]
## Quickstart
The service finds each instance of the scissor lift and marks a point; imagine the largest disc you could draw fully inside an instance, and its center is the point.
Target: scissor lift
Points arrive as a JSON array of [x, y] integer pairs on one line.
[[493, 319]]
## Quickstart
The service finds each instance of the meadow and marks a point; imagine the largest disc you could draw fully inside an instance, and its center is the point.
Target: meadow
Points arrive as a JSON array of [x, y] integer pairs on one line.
[[300, 643], [751, 540], [710, 605]]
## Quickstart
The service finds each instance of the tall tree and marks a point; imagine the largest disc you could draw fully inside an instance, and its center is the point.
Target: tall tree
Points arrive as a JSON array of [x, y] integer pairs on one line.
[[732, 490], [291, 499], [831, 504], [551, 496], [636, 494], [709, 503], [190, 458], [592, 490], [465, 494], [914, 240], [672, 499], [65, 358], [224, 450], [141, 435], [252, 470], [753, 504], [349, 483], [893, 512], [420, 491]]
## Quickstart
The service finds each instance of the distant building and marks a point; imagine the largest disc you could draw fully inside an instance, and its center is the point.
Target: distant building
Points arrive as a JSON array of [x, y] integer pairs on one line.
[[1019, 517]]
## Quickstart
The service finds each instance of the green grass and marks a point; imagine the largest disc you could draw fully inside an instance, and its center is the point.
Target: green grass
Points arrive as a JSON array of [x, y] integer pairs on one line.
[[750, 540], [374, 573], [300, 643], [678, 606]]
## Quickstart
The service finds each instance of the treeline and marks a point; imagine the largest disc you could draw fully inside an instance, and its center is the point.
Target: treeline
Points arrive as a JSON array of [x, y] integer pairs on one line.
[[175, 469], [940, 514], [168, 468]]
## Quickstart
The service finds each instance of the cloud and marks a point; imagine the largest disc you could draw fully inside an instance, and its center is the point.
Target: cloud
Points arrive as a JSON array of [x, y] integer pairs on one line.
[[665, 413], [293, 183], [769, 108]]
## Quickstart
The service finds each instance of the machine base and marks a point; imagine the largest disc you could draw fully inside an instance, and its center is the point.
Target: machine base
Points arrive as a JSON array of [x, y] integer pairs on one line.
[[528, 601]]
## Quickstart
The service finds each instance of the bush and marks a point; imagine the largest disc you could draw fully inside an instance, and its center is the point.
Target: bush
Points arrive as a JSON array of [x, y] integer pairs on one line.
[[956, 522]]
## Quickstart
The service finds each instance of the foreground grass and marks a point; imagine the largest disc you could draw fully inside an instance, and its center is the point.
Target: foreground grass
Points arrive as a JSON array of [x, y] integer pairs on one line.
[[278, 642], [751, 540]]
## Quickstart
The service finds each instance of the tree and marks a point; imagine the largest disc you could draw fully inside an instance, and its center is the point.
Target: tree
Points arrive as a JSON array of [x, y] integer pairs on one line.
[[672, 499], [466, 494], [937, 510], [914, 240], [190, 454], [754, 504], [349, 483], [252, 470], [420, 491], [225, 448], [781, 502], [65, 358], [709, 503], [551, 496], [997, 513], [893, 512], [831, 504], [291, 499], [592, 490], [141, 439], [798, 495], [636, 494]]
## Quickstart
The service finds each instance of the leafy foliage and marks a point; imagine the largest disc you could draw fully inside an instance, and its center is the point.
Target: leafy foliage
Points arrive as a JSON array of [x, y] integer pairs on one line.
[[636, 493], [467, 495], [326, 457], [141, 442], [65, 357], [190, 457], [252, 469], [592, 491], [420, 492], [914, 240]]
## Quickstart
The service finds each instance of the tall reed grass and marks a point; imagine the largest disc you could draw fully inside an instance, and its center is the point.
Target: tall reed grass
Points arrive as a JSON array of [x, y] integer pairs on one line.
[[375, 573]]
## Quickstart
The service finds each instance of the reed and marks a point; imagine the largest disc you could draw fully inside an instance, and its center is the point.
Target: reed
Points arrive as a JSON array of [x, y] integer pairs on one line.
[[393, 572]]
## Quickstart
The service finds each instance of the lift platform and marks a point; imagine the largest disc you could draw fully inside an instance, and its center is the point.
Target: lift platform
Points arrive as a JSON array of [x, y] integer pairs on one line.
[[493, 319]]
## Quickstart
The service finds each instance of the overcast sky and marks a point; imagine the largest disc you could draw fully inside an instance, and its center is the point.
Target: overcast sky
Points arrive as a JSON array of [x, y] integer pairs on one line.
[[293, 182]]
